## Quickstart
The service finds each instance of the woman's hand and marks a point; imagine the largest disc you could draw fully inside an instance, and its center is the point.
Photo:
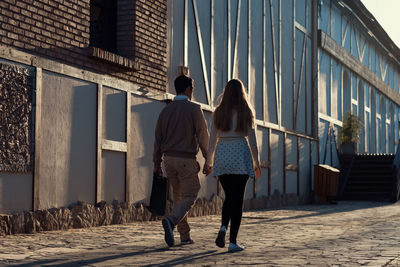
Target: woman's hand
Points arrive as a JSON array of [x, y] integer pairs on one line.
[[257, 171]]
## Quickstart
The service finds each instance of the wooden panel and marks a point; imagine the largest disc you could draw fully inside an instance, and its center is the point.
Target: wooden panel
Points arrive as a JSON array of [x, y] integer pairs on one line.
[[277, 162], [275, 50], [202, 51], [185, 33], [114, 176], [114, 145], [287, 94], [257, 74], [220, 49], [143, 117], [291, 148], [342, 55], [310, 84], [263, 148], [325, 15], [345, 34], [324, 84], [300, 83], [300, 10], [336, 21], [212, 55], [305, 166], [69, 128], [38, 140], [291, 167], [235, 72], [265, 164], [269, 161], [128, 162], [270, 96], [114, 114], [291, 182], [16, 192], [284, 163], [99, 140], [197, 45], [241, 63], [336, 92]]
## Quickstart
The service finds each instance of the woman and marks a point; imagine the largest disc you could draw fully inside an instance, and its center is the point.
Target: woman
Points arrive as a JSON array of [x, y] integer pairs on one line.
[[232, 131]]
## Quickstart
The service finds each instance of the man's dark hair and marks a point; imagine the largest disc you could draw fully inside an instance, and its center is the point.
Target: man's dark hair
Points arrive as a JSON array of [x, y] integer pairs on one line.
[[182, 82]]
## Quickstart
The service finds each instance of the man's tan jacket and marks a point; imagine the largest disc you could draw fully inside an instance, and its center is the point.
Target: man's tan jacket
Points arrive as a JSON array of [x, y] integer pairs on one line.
[[181, 129]]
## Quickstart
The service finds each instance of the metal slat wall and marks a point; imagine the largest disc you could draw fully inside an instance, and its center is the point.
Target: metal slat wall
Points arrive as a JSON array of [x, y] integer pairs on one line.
[[268, 45], [357, 74]]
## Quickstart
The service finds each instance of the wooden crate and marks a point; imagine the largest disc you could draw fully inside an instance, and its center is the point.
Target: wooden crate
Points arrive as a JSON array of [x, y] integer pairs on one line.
[[326, 182]]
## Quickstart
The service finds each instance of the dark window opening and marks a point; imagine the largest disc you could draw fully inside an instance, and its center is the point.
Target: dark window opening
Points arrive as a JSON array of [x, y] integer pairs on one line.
[[103, 24]]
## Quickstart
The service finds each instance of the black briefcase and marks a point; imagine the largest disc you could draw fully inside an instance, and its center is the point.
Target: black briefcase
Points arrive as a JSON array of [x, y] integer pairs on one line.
[[158, 198]]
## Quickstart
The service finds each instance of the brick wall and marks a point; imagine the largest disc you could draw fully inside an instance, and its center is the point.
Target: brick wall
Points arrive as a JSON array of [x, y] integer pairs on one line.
[[150, 40], [60, 29]]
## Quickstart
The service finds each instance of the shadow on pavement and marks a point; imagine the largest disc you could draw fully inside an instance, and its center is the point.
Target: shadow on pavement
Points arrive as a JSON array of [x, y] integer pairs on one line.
[[187, 259], [318, 210], [65, 260]]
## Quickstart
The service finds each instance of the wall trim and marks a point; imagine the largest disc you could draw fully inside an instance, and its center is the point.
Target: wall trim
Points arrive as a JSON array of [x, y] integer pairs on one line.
[[329, 45]]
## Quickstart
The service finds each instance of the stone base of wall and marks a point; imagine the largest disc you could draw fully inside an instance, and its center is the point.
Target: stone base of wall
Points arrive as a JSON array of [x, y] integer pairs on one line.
[[276, 200], [86, 215]]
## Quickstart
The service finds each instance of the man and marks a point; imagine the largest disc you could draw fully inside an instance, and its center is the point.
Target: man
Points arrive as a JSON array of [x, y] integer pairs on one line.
[[181, 129]]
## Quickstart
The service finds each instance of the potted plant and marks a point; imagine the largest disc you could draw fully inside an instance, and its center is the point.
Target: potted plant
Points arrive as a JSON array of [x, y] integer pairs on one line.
[[349, 134]]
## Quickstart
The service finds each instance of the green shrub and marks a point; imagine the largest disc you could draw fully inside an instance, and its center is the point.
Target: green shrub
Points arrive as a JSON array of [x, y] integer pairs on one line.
[[351, 129]]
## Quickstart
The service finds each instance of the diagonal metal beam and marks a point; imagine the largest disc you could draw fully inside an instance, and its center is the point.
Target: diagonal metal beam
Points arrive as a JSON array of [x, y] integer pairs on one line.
[[228, 26], [212, 78], [299, 85], [235, 47], [264, 76], [344, 34], [201, 50], [185, 35], [249, 50], [274, 60]]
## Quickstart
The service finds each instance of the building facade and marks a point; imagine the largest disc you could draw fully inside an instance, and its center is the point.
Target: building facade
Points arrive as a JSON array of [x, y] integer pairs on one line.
[[358, 73], [82, 84]]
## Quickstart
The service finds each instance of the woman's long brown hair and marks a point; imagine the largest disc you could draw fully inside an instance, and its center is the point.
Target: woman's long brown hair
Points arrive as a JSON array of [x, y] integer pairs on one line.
[[234, 97]]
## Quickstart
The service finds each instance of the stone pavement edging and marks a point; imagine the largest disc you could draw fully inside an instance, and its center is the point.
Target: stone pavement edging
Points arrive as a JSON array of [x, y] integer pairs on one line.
[[83, 215]]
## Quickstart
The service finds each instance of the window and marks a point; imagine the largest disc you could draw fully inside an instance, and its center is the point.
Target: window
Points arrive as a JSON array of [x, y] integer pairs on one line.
[[103, 24]]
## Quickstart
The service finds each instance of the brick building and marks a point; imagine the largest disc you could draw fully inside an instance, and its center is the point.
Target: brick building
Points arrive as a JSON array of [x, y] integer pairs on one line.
[[68, 68], [129, 36]]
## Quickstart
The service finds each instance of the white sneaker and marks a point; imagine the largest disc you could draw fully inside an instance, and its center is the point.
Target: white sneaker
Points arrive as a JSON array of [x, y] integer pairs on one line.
[[235, 247]]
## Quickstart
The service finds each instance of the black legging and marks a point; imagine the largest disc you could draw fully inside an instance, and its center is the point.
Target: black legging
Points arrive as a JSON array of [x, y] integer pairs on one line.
[[234, 186]]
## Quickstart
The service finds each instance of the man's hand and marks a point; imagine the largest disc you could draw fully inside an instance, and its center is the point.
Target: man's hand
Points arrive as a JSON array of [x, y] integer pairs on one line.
[[158, 170], [207, 169]]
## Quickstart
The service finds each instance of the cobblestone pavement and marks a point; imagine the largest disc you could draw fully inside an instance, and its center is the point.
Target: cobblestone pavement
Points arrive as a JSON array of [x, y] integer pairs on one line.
[[346, 234]]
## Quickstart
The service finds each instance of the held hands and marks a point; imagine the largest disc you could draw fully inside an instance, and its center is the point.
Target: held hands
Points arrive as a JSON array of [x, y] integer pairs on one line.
[[207, 169]]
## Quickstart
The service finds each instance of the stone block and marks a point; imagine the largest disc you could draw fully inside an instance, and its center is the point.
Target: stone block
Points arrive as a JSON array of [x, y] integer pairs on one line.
[[18, 223], [5, 225]]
